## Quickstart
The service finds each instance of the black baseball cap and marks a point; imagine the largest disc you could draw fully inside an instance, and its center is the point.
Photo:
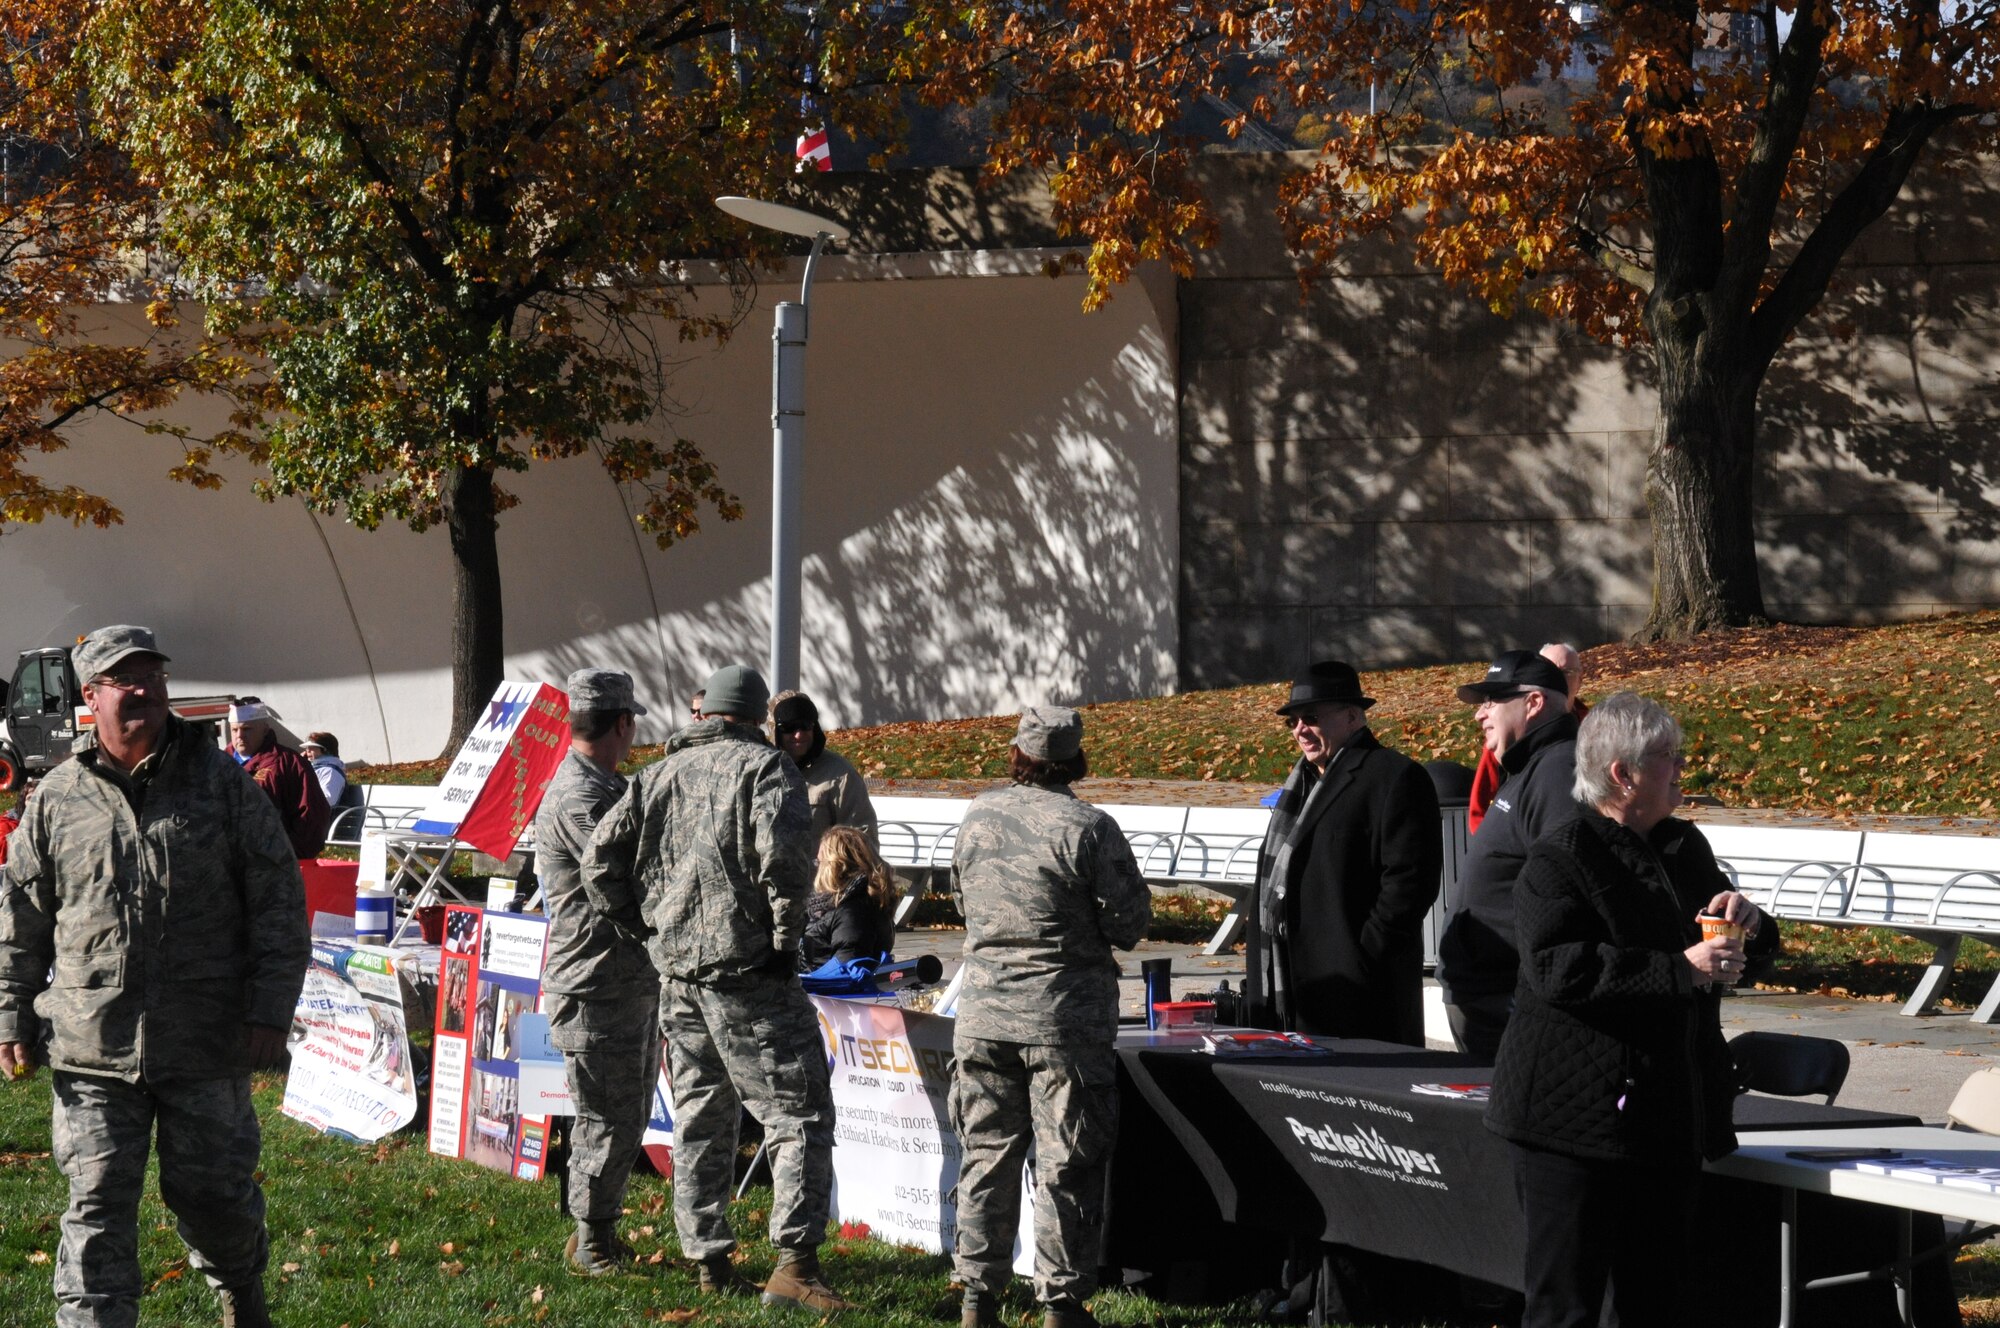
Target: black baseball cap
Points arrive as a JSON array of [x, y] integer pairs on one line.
[[1510, 671]]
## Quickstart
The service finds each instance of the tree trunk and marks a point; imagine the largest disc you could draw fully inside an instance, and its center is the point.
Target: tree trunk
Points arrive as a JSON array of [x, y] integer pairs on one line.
[[477, 657], [1698, 487]]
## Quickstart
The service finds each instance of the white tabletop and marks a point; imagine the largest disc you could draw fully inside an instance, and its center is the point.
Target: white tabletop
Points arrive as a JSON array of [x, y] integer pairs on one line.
[[1761, 1157]]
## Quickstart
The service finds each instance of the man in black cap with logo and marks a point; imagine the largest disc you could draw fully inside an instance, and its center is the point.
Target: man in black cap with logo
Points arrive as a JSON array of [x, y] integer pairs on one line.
[[1348, 870], [1524, 713]]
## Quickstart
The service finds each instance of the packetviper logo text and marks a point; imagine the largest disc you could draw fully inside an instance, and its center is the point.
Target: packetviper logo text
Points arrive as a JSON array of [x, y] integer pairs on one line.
[[1365, 1144]]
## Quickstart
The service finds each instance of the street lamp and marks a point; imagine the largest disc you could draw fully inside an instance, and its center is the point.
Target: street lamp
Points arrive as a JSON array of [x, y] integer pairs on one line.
[[788, 426]]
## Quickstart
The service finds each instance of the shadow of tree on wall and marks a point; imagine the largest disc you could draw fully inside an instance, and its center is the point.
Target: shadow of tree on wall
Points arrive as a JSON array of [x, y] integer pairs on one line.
[[1386, 472], [1042, 572], [1879, 478], [1390, 473]]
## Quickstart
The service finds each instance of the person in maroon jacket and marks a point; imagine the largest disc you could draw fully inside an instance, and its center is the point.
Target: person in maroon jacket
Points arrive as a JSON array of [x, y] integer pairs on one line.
[[285, 776]]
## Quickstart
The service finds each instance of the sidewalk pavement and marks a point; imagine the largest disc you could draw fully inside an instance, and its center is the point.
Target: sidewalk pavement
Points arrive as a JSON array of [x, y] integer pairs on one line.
[[1898, 1063]]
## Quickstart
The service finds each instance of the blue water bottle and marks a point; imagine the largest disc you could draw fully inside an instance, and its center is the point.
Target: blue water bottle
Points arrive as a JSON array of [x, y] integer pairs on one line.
[[1159, 980]]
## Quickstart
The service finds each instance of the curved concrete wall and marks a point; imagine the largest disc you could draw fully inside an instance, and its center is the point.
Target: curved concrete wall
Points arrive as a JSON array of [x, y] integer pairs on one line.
[[991, 519]]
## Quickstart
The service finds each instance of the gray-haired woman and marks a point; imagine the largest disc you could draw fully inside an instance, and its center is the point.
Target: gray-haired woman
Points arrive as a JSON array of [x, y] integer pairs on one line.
[[1613, 1081]]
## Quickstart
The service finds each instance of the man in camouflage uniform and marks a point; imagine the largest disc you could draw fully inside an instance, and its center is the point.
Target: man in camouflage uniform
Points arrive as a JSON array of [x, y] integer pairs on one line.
[[710, 851], [1048, 887], [603, 996], [156, 880]]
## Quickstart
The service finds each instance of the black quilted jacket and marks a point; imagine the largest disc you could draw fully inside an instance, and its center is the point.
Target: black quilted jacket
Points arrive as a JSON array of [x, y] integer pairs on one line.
[[1611, 1052]]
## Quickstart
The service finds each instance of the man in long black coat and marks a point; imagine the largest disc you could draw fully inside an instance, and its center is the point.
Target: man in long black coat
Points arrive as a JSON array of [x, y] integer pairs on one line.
[[1348, 870]]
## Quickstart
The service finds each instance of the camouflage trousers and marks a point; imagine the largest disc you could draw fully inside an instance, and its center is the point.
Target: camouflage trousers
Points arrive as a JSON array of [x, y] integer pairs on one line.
[[1063, 1100], [208, 1142], [611, 1049], [754, 1044]]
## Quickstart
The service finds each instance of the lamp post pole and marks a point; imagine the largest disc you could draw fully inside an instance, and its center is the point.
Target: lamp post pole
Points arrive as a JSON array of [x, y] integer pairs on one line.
[[788, 429]]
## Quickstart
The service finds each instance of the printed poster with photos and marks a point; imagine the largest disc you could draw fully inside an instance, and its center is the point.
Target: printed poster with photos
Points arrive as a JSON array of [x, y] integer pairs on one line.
[[351, 1075], [489, 978]]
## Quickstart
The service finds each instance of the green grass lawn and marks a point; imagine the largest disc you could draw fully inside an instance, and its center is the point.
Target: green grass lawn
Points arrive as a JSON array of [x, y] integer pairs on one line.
[[389, 1235]]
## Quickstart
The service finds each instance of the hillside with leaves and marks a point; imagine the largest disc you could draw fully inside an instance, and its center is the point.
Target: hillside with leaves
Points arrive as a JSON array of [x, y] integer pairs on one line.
[[1900, 719]]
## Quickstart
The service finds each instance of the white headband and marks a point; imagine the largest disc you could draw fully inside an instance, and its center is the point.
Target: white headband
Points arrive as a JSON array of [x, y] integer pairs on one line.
[[244, 713]]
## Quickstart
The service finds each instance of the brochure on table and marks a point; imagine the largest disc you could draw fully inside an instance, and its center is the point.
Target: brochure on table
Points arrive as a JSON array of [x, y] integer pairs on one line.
[[350, 1074], [488, 797], [489, 985]]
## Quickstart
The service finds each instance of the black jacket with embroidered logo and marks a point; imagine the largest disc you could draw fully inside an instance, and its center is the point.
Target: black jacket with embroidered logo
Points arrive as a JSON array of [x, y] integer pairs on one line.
[[1476, 953]]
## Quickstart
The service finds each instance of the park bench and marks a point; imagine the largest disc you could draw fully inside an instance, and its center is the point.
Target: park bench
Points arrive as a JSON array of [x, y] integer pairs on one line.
[[1938, 888], [383, 807]]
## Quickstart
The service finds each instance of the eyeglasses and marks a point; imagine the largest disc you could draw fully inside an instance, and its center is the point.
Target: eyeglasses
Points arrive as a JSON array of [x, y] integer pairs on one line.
[[795, 728], [1672, 755], [131, 682], [1307, 720], [1501, 700]]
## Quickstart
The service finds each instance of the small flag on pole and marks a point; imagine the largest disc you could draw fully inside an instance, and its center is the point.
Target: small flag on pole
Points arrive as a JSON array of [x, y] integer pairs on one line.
[[813, 150]]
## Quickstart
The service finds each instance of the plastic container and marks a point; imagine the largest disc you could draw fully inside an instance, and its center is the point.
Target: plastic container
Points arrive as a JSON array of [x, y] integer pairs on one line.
[[374, 916], [1184, 1014]]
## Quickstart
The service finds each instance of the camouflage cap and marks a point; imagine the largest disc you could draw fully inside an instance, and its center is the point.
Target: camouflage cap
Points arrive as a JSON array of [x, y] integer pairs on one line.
[[739, 690], [1049, 733], [601, 689], [104, 648]]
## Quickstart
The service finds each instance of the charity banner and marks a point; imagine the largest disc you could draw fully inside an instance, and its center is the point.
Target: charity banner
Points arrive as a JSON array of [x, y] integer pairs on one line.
[[489, 795], [351, 1075], [895, 1156], [489, 982]]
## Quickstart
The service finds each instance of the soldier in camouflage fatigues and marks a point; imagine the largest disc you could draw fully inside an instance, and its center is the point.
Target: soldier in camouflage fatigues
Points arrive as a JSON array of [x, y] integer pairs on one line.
[[603, 995], [1048, 886], [154, 877], [709, 851]]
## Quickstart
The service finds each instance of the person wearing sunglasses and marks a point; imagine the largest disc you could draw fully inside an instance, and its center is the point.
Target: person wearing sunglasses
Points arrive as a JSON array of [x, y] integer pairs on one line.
[[1523, 707], [1348, 870], [835, 790]]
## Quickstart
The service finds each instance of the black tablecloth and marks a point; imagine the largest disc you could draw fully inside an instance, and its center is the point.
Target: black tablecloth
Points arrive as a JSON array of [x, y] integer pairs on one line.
[[1348, 1151]]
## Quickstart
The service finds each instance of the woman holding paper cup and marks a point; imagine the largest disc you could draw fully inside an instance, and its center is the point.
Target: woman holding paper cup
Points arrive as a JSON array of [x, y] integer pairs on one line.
[[1613, 1081]]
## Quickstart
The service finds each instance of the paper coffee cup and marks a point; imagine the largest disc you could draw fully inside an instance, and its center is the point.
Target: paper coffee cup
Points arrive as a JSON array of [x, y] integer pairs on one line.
[[1712, 927]]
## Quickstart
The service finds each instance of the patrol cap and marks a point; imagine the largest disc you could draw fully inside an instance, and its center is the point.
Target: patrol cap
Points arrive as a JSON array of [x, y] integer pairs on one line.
[[736, 689], [107, 647], [1509, 673], [601, 689], [1049, 733]]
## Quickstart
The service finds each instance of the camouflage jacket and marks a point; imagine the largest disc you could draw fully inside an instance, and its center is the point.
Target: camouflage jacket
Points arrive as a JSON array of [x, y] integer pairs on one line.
[[710, 850], [836, 794], [588, 954], [168, 929], [1048, 886]]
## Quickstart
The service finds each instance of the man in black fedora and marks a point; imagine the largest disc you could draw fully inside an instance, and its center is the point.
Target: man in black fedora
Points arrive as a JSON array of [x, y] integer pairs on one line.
[[1348, 870]]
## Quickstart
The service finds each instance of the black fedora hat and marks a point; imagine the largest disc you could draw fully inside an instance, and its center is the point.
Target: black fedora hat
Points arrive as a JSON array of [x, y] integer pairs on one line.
[[1329, 682]]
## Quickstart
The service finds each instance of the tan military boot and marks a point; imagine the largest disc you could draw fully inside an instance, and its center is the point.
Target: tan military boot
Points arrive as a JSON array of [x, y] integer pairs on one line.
[[980, 1309], [1067, 1313], [796, 1281], [243, 1307], [594, 1250]]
